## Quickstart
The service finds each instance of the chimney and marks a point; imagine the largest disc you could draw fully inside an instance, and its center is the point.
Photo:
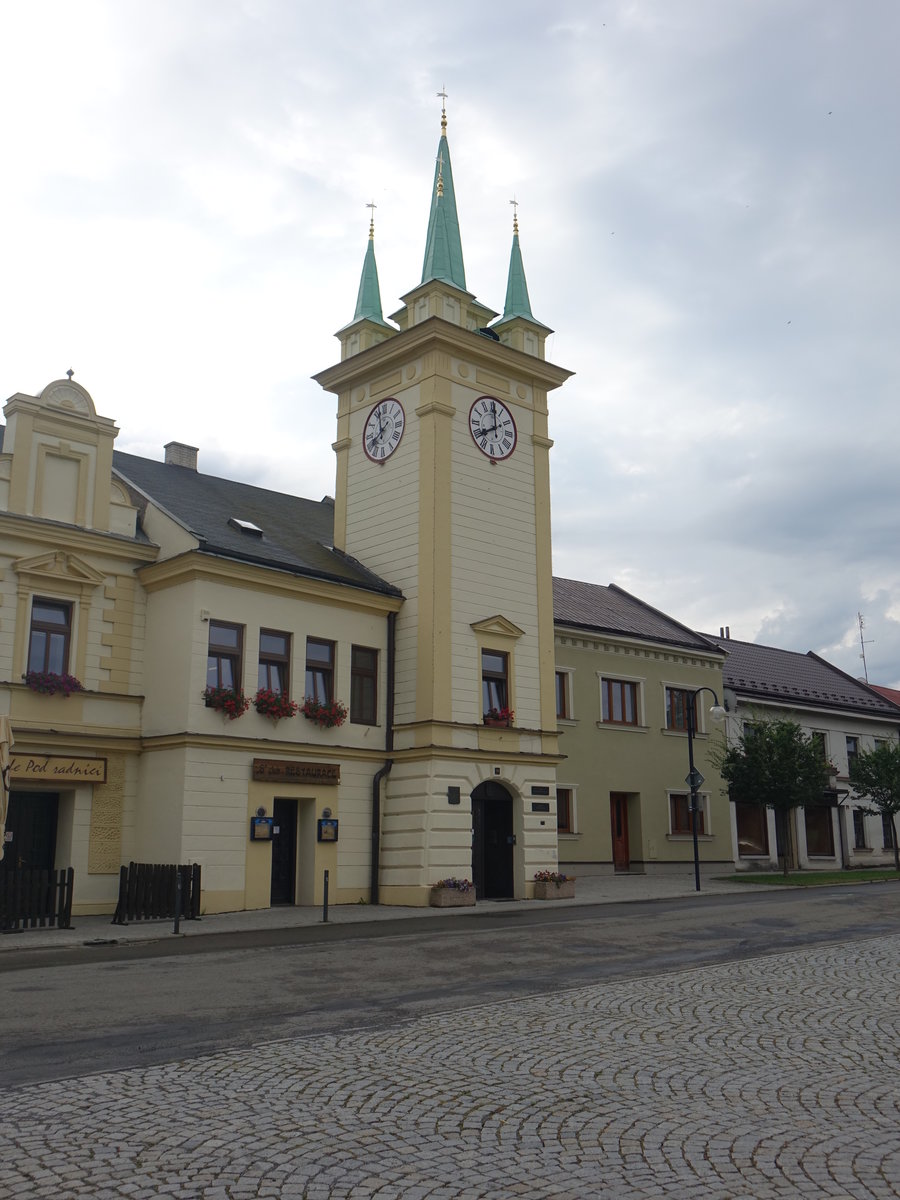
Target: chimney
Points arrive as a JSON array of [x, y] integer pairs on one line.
[[180, 455], [725, 632]]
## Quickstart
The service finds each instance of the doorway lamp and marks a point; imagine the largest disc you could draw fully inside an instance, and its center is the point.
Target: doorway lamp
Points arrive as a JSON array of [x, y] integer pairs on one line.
[[695, 779]]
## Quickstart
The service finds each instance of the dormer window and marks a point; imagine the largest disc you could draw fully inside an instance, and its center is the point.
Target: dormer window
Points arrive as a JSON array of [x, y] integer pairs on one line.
[[245, 527]]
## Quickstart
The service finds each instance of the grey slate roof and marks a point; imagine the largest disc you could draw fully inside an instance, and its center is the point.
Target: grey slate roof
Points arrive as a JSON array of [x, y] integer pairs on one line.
[[766, 673], [615, 611], [296, 533]]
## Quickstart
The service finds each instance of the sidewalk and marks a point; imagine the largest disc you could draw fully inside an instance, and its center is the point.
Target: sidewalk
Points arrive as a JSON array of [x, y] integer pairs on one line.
[[591, 890]]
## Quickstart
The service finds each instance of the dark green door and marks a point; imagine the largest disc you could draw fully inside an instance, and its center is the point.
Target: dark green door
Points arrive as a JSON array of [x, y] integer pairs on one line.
[[31, 821], [492, 842], [284, 852]]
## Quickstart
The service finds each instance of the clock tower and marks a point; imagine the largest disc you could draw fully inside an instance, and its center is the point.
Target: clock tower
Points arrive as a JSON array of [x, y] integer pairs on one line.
[[443, 489]]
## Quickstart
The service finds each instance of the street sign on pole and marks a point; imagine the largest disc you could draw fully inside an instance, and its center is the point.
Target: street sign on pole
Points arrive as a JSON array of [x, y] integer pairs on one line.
[[694, 779]]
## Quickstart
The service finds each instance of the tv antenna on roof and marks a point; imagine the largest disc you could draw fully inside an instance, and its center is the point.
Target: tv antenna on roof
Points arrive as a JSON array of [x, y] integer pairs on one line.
[[863, 642]]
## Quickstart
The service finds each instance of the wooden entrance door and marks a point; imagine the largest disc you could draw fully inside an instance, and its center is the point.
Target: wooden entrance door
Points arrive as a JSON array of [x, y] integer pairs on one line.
[[284, 852], [492, 842], [32, 822], [618, 817]]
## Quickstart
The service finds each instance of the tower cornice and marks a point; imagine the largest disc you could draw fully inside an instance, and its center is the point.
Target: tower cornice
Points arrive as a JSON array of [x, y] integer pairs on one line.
[[434, 333]]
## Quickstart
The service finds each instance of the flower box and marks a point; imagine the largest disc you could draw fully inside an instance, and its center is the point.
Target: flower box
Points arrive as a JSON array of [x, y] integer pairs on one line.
[[451, 898], [554, 891], [328, 715], [497, 723], [49, 683]]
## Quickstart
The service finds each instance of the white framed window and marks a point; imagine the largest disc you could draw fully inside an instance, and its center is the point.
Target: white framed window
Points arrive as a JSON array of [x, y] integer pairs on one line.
[[622, 700], [680, 816], [564, 694], [565, 810]]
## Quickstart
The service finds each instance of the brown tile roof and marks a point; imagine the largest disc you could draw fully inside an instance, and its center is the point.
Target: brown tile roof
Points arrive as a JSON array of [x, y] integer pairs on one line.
[[766, 673], [615, 611]]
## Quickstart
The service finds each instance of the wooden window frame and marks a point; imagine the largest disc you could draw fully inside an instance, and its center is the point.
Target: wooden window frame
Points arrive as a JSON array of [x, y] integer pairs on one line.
[[48, 630], [759, 813], [859, 829], [823, 812], [565, 807], [607, 707], [680, 822], [363, 708], [319, 667], [494, 683], [271, 660], [563, 696], [677, 709], [221, 651]]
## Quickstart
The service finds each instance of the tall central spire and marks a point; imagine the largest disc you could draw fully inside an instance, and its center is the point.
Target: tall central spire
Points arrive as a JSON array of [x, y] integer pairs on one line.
[[443, 246]]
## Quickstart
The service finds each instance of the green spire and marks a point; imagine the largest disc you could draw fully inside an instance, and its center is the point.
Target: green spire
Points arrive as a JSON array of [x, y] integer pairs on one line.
[[368, 301], [443, 247], [517, 302]]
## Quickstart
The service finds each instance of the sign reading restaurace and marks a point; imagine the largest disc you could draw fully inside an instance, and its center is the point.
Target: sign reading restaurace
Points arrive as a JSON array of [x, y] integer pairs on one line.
[[57, 768], [284, 770]]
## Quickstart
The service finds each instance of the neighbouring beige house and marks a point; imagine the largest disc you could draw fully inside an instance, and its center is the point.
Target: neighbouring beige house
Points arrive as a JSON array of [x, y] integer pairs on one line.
[[628, 677], [844, 715]]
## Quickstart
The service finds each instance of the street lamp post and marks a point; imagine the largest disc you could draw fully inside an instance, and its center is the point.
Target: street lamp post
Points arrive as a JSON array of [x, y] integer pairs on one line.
[[695, 779]]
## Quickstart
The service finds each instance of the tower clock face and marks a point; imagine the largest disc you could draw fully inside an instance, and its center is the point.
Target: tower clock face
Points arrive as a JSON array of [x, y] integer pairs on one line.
[[492, 427], [384, 429]]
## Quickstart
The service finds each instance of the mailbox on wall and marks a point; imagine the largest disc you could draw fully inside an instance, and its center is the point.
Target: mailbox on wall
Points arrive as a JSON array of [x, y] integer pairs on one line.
[[261, 829]]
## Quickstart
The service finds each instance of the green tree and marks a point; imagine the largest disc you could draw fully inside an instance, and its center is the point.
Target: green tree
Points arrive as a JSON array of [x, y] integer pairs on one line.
[[875, 775], [774, 763]]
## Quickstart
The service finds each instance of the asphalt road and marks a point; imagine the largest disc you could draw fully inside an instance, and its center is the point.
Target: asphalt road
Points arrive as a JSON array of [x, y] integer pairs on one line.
[[78, 1011]]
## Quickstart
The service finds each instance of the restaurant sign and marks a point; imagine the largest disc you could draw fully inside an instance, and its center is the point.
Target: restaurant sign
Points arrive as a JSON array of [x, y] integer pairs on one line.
[[285, 770], [53, 768]]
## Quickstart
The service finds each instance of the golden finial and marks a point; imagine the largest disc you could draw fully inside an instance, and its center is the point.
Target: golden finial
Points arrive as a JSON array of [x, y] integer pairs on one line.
[[440, 182], [443, 96], [373, 206], [514, 202]]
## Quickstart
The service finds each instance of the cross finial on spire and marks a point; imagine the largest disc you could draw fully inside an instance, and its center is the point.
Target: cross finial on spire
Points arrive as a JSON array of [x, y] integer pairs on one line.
[[514, 202], [371, 204], [440, 182], [443, 95]]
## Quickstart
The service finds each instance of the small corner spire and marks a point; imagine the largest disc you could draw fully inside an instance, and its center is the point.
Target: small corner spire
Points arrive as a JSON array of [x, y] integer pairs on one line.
[[517, 301], [368, 300]]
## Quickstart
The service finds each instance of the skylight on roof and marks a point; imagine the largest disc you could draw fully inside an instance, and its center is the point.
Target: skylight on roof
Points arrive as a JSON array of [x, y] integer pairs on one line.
[[245, 527]]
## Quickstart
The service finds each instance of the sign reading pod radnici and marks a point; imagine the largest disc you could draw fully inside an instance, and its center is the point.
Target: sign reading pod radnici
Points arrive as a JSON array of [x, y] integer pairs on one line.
[[283, 770], [56, 768]]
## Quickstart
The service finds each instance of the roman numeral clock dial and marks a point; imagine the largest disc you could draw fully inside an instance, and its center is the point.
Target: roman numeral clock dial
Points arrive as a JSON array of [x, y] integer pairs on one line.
[[492, 427], [384, 429]]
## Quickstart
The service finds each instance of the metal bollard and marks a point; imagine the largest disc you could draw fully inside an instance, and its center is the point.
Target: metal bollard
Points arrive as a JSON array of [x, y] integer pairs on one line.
[[325, 901], [177, 900]]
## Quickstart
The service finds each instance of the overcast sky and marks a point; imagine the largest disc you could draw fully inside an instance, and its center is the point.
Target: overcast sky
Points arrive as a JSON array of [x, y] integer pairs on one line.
[[708, 205]]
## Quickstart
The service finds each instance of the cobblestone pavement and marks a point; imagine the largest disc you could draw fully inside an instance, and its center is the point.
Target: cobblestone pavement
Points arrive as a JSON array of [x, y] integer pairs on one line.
[[770, 1077]]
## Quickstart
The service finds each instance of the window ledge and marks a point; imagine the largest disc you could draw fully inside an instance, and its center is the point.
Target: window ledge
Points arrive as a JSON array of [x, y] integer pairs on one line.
[[862, 850], [699, 734], [618, 725], [568, 837], [566, 721], [689, 837]]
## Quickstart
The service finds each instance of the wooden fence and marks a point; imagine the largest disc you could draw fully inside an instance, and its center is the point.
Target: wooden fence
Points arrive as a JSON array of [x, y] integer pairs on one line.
[[149, 891], [30, 899]]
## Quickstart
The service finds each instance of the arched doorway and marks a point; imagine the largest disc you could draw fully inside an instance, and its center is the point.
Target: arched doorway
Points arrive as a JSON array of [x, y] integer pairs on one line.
[[492, 842]]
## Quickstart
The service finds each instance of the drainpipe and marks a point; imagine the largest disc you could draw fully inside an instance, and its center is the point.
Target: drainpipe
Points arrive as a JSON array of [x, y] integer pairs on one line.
[[386, 769]]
